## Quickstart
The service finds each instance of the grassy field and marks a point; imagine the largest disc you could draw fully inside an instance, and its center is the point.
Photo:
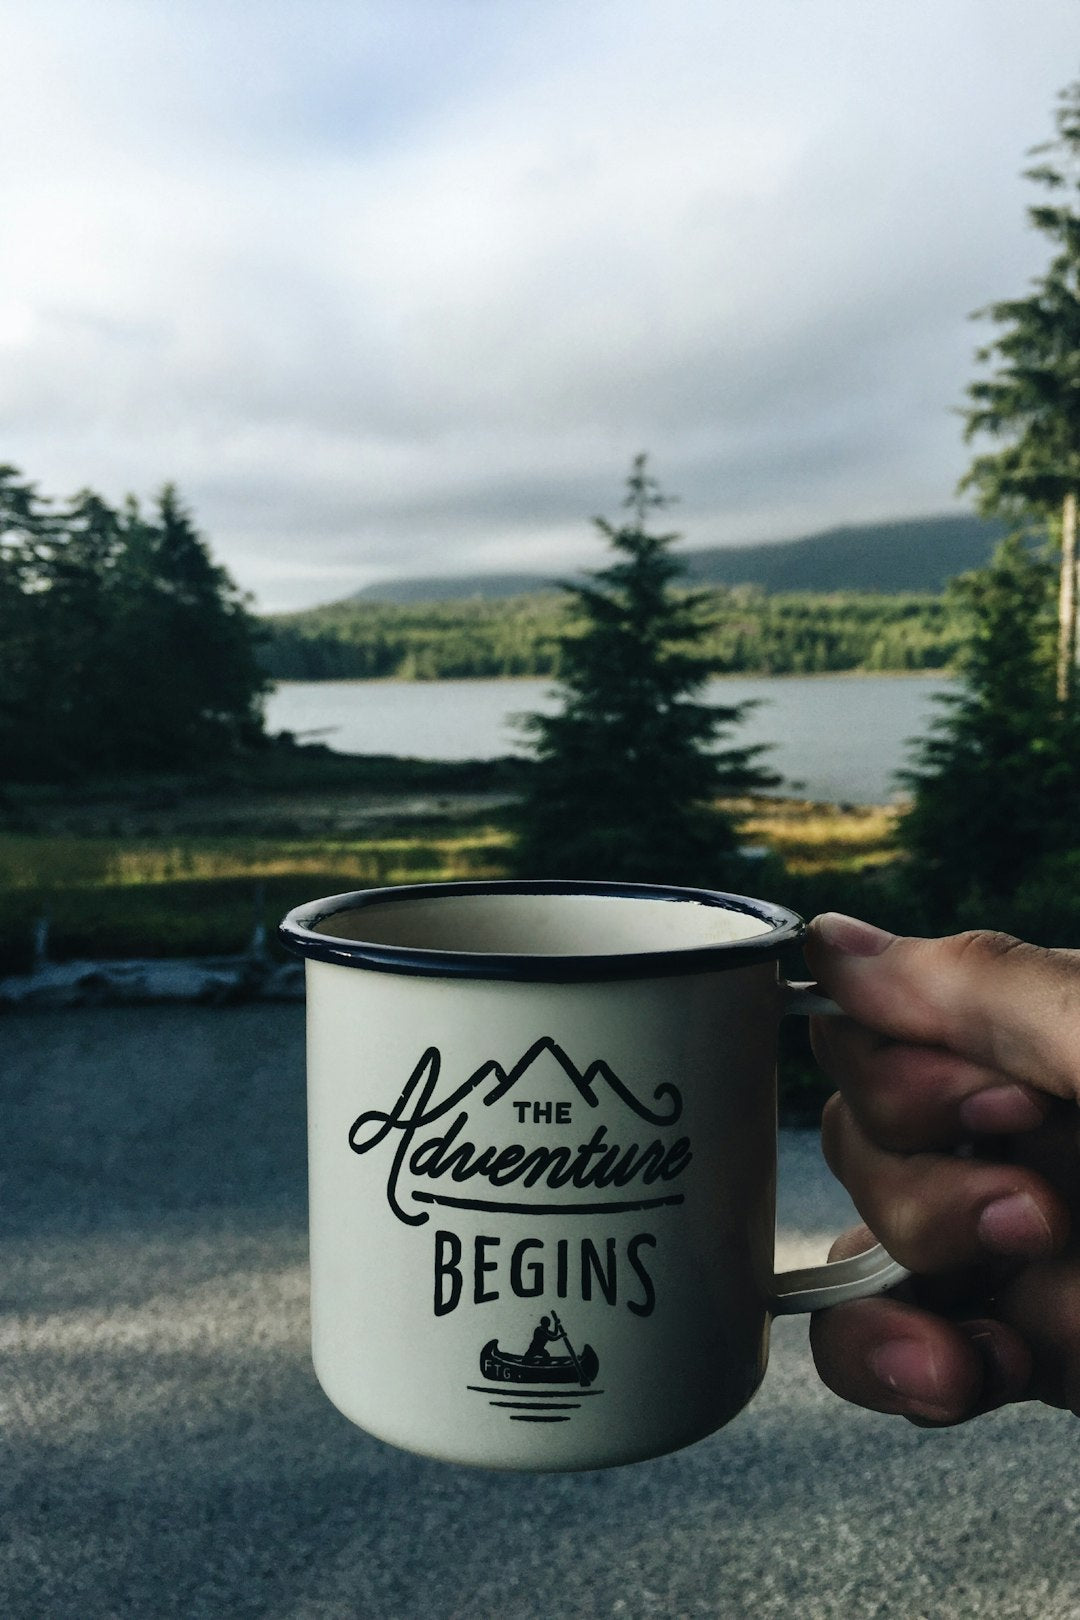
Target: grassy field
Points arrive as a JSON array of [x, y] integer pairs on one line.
[[107, 897], [811, 838], [192, 874], [175, 866]]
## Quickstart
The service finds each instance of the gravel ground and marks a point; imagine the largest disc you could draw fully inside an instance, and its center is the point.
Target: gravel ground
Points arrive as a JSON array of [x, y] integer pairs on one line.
[[166, 1450]]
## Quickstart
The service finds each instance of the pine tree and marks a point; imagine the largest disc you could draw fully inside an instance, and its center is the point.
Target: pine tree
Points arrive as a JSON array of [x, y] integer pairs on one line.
[[87, 647], [122, 644], [996, 783], [24, 668], [190, 641], [626, 775], [1032, 401]]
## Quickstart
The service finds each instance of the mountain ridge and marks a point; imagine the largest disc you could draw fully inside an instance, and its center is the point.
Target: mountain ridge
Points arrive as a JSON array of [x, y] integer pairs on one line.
[[909, 554]]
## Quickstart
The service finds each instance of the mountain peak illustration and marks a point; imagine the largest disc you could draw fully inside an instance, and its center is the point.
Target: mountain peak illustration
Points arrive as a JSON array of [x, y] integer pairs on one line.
[[538, 1059]]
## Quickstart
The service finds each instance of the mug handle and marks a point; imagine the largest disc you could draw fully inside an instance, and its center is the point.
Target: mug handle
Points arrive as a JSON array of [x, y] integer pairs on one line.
[[812, 1288]]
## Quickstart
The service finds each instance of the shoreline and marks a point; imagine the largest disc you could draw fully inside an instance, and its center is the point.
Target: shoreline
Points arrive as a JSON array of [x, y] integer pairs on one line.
[[943, 674]]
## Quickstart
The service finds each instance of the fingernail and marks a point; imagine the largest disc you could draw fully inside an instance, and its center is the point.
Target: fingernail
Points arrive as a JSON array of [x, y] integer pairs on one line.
[[850, 935], [1015, 1225], [1001, 1109], [909, 1372]]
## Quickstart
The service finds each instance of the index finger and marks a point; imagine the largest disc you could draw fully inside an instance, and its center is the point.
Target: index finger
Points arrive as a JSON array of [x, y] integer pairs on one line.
[[1011, 1007]]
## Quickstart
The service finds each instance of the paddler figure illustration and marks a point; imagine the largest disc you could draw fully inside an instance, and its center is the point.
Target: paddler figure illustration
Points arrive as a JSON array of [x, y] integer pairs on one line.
[[543, 1335]]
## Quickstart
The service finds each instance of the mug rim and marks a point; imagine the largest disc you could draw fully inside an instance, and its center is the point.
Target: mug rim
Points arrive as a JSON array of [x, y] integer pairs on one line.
[[298, 933]]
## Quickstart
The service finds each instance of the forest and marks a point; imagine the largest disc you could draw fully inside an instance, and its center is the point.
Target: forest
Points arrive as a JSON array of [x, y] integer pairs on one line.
[[123, 645], [746, 631]]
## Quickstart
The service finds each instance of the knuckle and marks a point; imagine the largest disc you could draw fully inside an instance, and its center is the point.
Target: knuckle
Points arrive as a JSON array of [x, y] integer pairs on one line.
[[912, 1100], [906, 1219], [897, 1094], [897, 1123], [984, 945]]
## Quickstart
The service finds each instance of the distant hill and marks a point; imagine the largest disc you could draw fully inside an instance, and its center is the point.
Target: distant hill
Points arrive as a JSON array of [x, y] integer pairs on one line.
[[912, 554], [455, 588]]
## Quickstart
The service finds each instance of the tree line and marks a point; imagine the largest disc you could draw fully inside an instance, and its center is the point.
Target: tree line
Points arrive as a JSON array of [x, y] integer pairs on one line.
[[123, 645], [744, 630]]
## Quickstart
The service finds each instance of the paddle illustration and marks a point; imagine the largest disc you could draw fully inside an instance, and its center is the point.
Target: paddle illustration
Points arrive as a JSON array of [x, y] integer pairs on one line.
[[561, 1333]]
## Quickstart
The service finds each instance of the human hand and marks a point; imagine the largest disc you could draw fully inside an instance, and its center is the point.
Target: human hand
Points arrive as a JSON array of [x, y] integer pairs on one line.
[[957, 1133]]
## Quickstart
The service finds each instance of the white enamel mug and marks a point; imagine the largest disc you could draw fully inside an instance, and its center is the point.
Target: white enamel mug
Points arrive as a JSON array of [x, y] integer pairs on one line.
[[542, 1158]]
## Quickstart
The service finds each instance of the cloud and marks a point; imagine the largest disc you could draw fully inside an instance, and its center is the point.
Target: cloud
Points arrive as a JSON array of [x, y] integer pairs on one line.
[[402, 286]]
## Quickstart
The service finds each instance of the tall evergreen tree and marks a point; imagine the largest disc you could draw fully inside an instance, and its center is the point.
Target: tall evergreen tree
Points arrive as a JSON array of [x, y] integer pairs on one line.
[[1032, 400], [997, 781], [626, 775], [24, 673], [196, 670], [122, 644]]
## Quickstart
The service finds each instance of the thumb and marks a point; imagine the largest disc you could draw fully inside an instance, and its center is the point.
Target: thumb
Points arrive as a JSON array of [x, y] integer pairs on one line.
[[989, 997]]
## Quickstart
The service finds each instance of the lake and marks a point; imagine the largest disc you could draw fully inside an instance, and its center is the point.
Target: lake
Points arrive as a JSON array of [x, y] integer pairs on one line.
[[836, 737]]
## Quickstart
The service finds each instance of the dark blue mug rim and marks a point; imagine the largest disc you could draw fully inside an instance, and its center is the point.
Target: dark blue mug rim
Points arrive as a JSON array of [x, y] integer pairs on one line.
[[302, 932]]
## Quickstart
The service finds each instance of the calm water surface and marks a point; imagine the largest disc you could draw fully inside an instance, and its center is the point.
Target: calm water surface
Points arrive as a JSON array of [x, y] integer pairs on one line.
[[835, 737]]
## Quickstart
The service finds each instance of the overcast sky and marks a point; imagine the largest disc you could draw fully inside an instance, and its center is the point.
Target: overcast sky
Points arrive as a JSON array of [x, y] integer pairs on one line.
[[401, 287]]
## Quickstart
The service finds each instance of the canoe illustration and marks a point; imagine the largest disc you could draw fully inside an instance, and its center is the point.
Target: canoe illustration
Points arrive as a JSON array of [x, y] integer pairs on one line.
[[502, 1367]]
